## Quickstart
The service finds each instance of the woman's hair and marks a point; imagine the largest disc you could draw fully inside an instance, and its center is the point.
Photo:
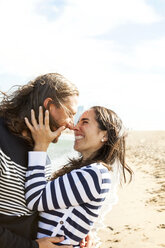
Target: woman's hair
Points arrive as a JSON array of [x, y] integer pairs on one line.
[[112, 151], [17, 105]]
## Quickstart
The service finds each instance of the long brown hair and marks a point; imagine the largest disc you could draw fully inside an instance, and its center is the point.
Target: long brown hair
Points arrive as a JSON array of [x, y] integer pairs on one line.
[[17, 105], [112, 151]]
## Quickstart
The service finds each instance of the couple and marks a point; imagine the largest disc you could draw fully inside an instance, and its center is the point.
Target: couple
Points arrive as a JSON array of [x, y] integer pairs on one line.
[[69, 203]]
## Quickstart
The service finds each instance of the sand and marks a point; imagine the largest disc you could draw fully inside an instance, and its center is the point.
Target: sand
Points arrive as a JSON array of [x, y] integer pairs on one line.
[[138, 220]]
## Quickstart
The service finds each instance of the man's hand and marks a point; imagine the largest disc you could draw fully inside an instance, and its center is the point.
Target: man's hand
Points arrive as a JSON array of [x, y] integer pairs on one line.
[[49, 242], [88, 242]]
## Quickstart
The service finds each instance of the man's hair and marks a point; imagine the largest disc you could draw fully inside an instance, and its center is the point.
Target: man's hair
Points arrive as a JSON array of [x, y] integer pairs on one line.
[[17, 105], [112, 151]]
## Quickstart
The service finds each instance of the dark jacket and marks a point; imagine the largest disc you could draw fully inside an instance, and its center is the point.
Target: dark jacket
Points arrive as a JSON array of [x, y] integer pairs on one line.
[[16, 230]]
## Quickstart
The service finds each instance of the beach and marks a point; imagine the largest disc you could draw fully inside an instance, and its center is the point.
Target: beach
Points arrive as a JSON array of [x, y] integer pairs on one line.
[[138, 219]]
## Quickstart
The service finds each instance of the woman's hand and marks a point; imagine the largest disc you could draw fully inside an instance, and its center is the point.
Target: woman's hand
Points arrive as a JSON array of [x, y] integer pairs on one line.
[[88, 241], [49, 242], [41, 132]]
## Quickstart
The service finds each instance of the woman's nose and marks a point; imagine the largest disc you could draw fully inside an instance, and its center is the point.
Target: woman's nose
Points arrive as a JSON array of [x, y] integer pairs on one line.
[[76, 127]]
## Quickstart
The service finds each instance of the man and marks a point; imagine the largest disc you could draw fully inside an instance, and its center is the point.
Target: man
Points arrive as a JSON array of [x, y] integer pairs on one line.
[[18, 225]]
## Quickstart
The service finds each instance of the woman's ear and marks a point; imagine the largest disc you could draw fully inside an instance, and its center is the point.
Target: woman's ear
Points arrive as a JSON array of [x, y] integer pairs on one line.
[[47, 101], [105, 136]]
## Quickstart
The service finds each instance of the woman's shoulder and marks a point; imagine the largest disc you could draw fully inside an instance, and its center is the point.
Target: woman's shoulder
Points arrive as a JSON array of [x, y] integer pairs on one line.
[[98, 168], [97, 165]]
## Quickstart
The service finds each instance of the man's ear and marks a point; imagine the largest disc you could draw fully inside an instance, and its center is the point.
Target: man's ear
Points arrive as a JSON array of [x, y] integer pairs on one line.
[[47, 101]]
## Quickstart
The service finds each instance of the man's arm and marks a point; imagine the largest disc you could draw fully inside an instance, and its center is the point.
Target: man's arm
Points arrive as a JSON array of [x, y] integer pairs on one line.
[[9, 239]]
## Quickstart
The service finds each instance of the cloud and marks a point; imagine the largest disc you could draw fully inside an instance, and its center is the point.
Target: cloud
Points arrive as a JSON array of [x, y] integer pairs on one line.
[[148, 54], [96, 17], [31, 43], [41, 36]]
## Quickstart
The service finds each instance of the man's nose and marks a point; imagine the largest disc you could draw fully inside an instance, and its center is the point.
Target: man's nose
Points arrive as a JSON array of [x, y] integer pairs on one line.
[[70, 125]]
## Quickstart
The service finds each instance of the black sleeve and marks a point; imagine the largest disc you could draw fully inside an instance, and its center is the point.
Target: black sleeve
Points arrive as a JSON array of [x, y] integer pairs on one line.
[[16, 232], [9, 239]]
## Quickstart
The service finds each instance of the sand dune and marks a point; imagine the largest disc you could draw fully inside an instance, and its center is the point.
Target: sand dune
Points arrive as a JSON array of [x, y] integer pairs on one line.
[[138, 220]]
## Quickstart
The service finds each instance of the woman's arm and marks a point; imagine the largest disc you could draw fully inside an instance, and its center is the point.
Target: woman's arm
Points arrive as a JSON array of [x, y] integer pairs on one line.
[[72, 189]]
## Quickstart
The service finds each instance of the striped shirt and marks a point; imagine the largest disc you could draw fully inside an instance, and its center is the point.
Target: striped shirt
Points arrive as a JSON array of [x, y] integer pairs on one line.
[[12, 199], [12, 187], [68, 205]]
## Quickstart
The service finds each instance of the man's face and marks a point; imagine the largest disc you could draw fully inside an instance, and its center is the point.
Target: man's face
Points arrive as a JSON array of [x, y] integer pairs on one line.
[[63, 116]]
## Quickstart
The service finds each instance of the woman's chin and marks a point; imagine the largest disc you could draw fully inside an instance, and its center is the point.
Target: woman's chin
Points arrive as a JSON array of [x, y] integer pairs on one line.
[[76, 148]]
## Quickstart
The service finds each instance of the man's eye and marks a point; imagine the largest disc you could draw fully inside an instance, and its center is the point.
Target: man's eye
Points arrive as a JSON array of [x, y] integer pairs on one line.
[[85, 122], [70, 115]]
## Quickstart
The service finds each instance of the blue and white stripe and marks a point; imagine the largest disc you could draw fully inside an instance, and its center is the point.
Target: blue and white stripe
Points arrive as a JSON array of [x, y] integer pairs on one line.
[[69, 204]]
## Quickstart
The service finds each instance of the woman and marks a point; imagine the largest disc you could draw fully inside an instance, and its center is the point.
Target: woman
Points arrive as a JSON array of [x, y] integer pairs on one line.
[[70, 203]]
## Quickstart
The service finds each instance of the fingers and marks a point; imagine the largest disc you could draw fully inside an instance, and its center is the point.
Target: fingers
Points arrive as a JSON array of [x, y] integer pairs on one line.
[[89, 241], [63, 246], [57, 240], [47, 120], [89, 244], [57, 133], [28, 124], [82, 244], [42, 128], [33, 119], [40, 117], [49, 242]]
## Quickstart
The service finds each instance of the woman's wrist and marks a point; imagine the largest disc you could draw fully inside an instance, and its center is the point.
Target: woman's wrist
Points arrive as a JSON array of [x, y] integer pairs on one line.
[[40, 147]]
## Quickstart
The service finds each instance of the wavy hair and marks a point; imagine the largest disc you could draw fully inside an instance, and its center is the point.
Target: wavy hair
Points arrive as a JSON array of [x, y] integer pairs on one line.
[[17, 105], [112, 151]]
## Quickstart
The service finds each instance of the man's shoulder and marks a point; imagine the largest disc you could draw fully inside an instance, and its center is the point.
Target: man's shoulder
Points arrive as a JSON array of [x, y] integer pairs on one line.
[[4, 132], [2, 123], [12, 145]]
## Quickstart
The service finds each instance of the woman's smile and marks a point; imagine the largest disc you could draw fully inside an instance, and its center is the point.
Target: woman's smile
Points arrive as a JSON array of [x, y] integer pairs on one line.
[[78, 137]]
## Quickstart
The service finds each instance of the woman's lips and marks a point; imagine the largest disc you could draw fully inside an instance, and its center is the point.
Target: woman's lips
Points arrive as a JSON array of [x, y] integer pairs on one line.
[[78, 137]]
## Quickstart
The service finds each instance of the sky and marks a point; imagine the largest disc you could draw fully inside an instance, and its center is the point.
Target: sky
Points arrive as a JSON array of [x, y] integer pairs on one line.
[[114, 51]]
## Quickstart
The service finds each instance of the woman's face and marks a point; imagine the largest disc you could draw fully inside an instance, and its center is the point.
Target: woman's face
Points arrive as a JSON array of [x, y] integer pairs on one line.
[[88, 136]]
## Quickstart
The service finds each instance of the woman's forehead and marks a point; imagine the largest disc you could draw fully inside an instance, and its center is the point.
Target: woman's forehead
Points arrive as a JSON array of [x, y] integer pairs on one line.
[[88, 114]]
